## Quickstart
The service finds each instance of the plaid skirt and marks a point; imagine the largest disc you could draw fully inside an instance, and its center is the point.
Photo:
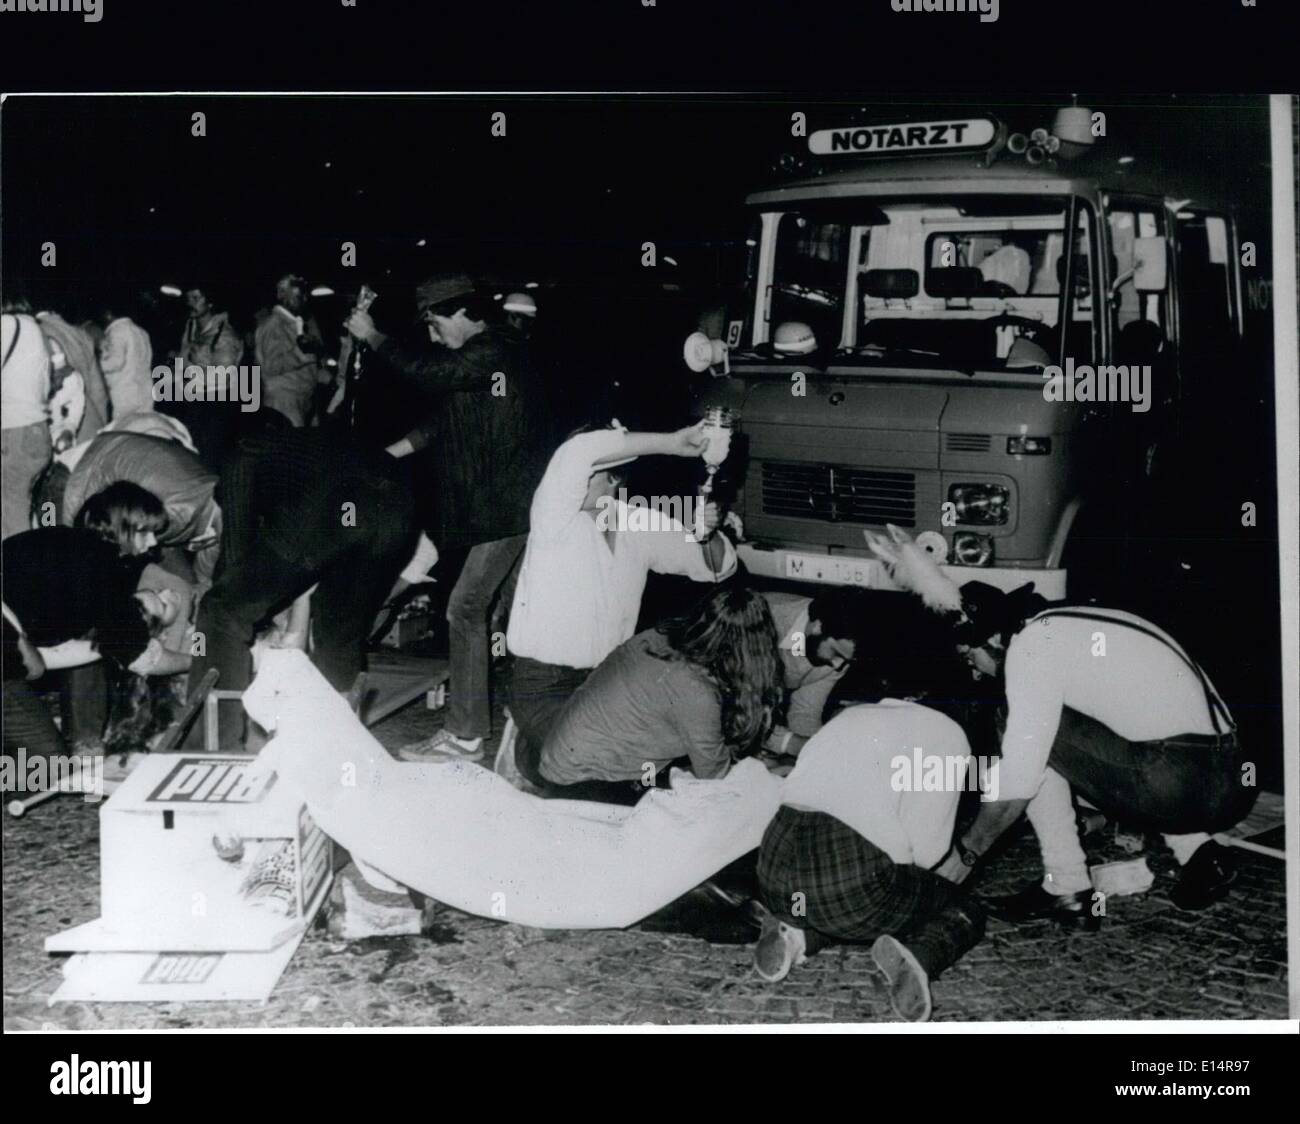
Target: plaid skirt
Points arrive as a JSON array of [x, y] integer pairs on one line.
[[816, 872]]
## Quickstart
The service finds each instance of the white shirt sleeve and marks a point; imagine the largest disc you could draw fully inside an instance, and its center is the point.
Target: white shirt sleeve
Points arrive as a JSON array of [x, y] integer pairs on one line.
[[672, 549], [71, 653], [564, 486], [1035, 696]]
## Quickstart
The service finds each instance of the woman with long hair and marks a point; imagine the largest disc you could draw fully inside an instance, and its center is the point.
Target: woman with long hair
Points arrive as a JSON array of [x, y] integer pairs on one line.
[[703, 686]]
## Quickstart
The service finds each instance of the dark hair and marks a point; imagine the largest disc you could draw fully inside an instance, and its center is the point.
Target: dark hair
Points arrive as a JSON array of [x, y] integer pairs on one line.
[[988, 612], [122, 510], [730, 635], [842, 613], [476, 307], [124, 629]]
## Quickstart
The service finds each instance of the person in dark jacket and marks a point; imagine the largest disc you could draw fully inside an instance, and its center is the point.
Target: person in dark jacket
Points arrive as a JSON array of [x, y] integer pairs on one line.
[[488, 445], [69, 596], [301, 508]]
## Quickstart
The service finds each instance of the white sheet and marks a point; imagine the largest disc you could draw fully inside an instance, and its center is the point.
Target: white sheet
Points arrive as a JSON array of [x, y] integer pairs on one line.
[[462, 835]]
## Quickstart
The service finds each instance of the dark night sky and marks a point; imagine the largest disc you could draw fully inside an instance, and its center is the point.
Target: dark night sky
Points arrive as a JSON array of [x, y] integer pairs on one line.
[[131, 198]]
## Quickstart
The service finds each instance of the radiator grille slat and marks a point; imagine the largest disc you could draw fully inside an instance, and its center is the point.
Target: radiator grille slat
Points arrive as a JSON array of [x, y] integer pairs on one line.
[[838, 493], [967, 442]]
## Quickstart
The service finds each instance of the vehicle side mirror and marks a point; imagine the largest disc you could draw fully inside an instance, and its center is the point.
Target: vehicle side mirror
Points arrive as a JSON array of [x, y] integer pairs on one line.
[[1151, 263]]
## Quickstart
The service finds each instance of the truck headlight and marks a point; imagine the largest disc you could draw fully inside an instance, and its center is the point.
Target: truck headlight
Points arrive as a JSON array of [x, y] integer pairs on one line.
[[970, 549], [1029, 446], [986, 505]]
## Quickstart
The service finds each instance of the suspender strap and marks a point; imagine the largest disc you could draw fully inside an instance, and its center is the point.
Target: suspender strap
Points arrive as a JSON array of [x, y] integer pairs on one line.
[[1215, 704], [13, 343]]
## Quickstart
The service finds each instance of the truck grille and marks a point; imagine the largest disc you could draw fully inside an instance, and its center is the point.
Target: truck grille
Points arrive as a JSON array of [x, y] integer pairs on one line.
[[967, 442], [839, 494]]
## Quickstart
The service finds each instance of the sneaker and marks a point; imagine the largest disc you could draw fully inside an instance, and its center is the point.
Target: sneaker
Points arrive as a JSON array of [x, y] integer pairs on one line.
[[780, 947], [1206, 877], [909, 986], [443, 746]]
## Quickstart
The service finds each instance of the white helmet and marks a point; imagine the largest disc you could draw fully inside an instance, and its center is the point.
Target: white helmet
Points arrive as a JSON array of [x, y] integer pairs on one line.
[[520, 302], [794, 338]]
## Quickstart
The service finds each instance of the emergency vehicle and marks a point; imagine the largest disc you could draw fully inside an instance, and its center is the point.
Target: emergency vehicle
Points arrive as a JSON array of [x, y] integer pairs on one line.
[[909, 294]]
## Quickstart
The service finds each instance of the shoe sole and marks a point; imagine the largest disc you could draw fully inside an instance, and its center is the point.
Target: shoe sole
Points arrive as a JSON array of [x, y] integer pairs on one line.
[[439, 757], [909, 987], [769, 936]]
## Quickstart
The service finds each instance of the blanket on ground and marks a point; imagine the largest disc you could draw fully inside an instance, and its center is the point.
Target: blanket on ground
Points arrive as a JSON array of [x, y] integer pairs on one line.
[[460, 834]]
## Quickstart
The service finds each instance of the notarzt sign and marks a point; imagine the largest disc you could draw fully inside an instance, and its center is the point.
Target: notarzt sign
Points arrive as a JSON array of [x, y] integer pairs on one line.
[[920, 136]]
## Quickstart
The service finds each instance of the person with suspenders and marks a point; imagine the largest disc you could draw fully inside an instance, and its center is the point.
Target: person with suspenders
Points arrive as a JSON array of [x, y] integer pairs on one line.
[[1102, 702]]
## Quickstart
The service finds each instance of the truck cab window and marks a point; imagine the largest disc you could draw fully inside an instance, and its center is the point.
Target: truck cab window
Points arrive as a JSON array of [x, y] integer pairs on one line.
[[810, 274]]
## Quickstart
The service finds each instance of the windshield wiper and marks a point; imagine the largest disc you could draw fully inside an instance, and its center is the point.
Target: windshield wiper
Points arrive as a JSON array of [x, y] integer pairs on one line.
[[884, 353]]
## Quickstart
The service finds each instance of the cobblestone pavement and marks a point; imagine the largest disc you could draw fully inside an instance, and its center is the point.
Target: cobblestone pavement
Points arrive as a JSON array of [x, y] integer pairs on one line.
[[1149, 961]]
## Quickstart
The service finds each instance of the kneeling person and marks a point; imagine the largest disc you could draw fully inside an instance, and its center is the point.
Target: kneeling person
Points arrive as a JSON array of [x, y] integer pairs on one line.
[[847, 857], [703, 686]]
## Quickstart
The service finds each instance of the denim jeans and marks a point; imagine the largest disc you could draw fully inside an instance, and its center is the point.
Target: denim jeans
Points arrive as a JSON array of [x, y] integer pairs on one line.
[[487, 570], [1183, 787], [1190, 782], [353, 571], [28, 724], [538, 692]]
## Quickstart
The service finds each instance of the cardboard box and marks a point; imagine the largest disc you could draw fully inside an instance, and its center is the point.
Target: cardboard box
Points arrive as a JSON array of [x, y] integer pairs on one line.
[[210, 873]]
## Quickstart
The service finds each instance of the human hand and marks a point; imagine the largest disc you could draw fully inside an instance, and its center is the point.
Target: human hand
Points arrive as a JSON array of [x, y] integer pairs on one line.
[[952, 868], [689, 441], [361, 325]]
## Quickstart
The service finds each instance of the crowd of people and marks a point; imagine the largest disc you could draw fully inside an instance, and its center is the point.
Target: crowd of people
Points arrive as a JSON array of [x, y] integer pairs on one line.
[[147, 542]]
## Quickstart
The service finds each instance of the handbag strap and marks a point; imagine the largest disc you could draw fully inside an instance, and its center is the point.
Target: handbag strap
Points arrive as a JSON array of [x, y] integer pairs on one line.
[[1215, 704]]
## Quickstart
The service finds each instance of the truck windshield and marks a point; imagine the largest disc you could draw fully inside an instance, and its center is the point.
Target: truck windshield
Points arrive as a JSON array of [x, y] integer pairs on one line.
[[965, 281]]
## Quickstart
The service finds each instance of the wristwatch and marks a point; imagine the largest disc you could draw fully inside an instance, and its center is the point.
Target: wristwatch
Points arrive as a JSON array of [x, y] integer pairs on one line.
[[967, 856]]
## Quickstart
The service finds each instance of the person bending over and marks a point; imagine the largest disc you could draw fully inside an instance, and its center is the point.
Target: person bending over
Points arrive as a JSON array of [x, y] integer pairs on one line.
[[847, 857], [1105, 702], [702, 686], [69, 598], [299, 508]]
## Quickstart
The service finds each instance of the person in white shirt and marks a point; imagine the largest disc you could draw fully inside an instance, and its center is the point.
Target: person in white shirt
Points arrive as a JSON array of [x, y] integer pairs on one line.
[[1101, 701], [126, 358], [585, 567], [24, 415], [848, 856], [1106, 703]]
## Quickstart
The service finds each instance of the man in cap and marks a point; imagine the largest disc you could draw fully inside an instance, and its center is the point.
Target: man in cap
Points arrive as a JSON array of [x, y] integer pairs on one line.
[[290, 354], [1103, 702], [487, 438], [521, 312]]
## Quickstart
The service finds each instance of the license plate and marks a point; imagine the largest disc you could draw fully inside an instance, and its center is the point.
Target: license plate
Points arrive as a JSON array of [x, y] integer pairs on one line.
[[832, 570]]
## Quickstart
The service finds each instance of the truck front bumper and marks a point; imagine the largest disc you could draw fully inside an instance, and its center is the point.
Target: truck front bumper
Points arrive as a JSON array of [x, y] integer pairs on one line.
[[870, 573]]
